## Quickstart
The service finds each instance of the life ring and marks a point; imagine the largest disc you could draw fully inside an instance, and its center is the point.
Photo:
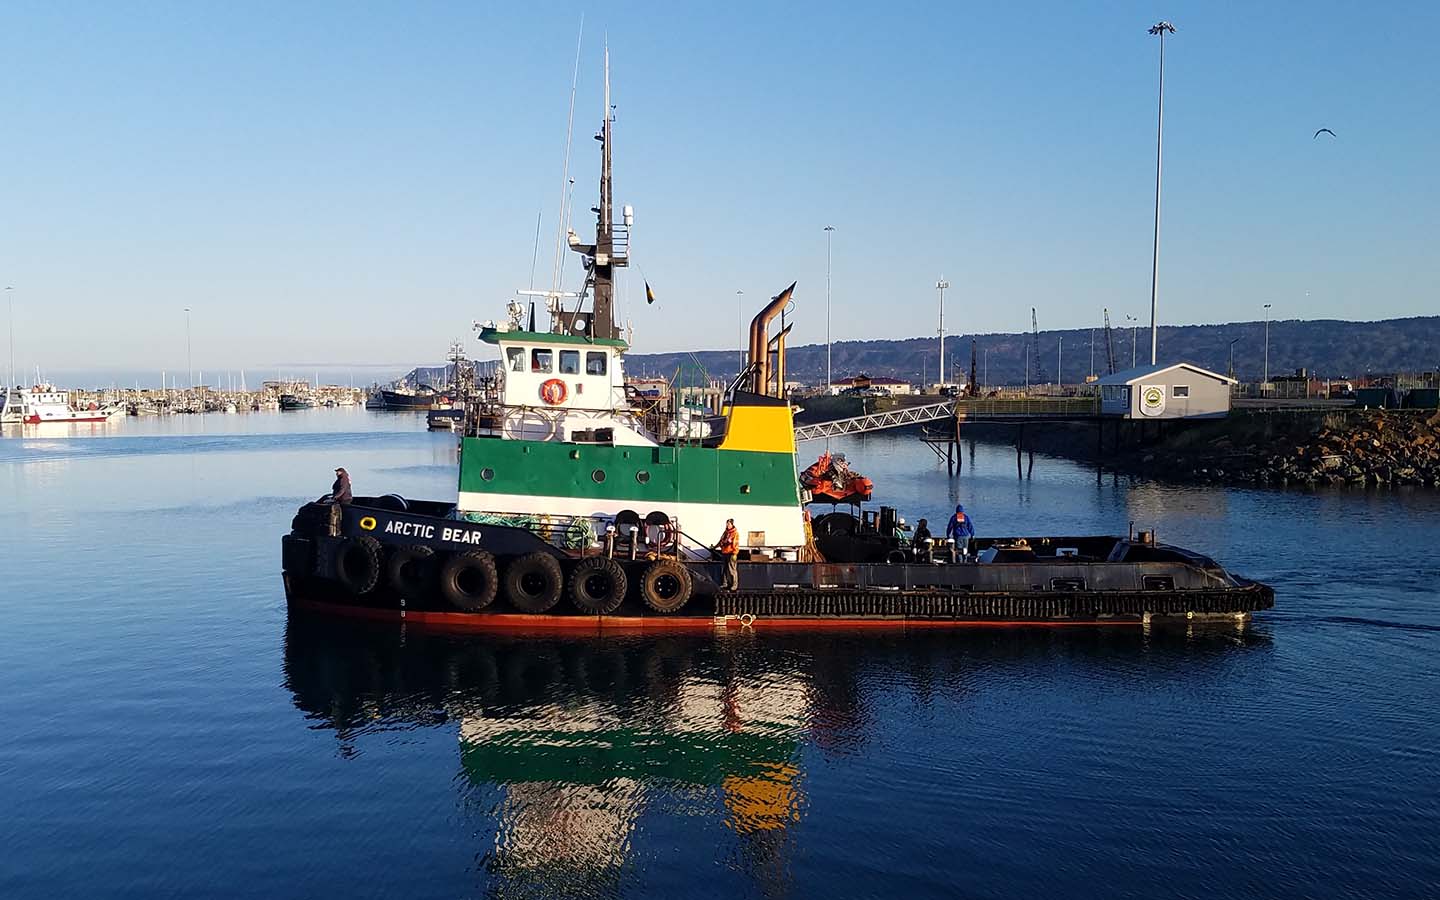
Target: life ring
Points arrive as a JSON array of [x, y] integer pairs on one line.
[[553, 392]]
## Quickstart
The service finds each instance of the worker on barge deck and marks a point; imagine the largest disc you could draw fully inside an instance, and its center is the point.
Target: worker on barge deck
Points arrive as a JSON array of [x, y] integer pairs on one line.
[[960, 530], [729, 548]]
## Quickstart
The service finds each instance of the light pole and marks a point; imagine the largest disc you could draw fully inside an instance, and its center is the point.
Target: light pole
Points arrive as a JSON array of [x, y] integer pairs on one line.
[[829, 377], [188, 366], [1266, 379], [1092, 354], [10, 299], [1231, 373], [1134, 326], [1160, 28], [986, 378], [1059, 355], [940, 286]]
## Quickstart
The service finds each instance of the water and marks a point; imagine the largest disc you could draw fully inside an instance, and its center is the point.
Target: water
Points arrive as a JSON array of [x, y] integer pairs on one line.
[[171, 731]]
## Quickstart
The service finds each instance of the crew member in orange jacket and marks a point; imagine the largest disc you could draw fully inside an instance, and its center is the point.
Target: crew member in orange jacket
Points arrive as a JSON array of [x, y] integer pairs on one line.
[[729, 548]]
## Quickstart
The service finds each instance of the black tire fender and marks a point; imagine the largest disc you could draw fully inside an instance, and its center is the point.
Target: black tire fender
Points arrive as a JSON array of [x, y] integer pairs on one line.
[[597, 585], [468, 581], [356, 564], [409, 572], [534, 582], [666, 586]]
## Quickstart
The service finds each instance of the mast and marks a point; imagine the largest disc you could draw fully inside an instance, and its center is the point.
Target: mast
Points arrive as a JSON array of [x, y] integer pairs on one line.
[[611, 244]]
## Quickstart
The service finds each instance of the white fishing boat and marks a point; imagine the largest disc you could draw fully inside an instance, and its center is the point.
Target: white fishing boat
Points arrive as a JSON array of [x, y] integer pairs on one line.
[[44, 403]]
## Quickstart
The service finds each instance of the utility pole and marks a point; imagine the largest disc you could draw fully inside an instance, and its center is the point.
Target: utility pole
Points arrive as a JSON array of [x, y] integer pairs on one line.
[[829, 376], [189, 368], [1160, 28], [1266, 379], [940, 286], [10, 298], [1231, 373]]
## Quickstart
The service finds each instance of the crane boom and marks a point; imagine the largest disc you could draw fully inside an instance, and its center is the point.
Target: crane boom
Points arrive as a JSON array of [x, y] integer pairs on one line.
[[1109, 345], [1035, 348]]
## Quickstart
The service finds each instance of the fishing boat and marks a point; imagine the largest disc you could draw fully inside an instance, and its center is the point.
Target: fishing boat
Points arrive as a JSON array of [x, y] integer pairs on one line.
[[44, 403], [573, 486], [403, 399], [296, 402]]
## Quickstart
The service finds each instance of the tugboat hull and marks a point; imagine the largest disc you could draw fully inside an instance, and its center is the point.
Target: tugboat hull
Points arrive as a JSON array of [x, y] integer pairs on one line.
[[370, 562]]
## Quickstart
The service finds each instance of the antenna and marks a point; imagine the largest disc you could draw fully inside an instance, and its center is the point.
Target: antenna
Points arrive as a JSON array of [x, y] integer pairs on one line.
[[565, 175]]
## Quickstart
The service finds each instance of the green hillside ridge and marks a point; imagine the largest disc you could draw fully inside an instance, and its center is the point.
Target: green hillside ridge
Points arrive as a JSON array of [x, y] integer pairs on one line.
[[1328, 348]]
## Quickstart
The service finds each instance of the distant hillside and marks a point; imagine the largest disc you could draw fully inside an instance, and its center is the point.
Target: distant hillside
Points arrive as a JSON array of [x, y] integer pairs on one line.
[[1327, 347]]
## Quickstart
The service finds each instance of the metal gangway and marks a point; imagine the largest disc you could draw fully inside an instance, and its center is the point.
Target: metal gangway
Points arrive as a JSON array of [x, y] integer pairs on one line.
[[879, 421]]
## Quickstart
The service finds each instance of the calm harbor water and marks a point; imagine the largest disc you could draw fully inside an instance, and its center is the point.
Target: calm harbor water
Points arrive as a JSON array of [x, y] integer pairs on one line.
[[170, 730]]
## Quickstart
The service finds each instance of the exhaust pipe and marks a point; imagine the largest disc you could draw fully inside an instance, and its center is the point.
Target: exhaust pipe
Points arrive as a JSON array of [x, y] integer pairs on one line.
[[760, 338]]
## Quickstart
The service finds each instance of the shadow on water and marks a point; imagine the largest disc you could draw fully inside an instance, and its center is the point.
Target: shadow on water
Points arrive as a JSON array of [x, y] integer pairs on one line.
[[575, 750]]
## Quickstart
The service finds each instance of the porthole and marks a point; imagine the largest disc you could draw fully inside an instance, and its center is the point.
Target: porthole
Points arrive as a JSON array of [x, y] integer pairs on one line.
[[744, 488], [487, 474], [597, 476], [642, 476]]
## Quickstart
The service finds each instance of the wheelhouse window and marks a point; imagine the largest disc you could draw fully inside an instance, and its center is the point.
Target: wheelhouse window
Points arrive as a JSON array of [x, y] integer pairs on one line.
[[569, 362], [542, 361], [595, 363], [1180, 390], [515, 359]]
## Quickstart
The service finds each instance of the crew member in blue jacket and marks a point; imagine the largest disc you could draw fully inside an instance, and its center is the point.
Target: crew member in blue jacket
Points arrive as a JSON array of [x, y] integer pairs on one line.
[[960, 530]]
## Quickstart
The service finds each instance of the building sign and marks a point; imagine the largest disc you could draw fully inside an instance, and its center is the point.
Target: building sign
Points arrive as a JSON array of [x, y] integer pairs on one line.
[[1152, 399]]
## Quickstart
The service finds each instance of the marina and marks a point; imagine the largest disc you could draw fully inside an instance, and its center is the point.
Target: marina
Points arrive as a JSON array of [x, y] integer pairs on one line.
[[393, 718], [750, 541]]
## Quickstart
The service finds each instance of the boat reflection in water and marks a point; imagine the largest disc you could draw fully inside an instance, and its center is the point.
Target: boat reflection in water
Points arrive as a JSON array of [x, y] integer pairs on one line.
[[567, 744]]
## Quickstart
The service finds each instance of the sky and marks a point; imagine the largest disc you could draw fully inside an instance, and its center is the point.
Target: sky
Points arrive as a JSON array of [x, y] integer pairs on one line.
[[352, 185]]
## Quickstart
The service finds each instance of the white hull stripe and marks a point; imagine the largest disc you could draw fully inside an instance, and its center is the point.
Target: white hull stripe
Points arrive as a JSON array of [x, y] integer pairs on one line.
[[783, 525]]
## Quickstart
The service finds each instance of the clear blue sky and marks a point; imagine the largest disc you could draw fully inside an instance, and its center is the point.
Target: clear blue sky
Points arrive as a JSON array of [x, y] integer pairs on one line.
[[345, 183]]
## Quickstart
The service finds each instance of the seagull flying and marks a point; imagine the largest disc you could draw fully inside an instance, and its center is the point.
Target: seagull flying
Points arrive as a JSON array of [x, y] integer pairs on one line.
[[1323, 131]]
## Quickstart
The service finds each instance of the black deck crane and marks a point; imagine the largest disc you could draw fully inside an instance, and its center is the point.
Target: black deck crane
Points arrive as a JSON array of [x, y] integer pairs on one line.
[[1109, 345], [1035, 348]]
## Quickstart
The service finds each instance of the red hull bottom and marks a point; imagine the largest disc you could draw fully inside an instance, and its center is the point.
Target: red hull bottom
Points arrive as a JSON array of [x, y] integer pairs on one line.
[[459, 621], [36, 420]]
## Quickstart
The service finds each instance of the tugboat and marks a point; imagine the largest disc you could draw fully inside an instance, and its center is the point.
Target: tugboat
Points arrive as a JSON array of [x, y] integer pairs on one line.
[[572, 487]]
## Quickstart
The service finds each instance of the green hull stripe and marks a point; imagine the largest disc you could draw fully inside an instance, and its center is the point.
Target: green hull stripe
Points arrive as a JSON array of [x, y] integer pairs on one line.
[[592, 757], [670, 474]]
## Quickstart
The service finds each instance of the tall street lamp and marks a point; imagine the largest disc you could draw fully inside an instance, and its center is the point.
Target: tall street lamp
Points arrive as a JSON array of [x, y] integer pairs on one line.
[[188, 366], [1134, 327], [1231, 373], [940, 286], [10, 298], [1160, 28], [1266, 379], [829, 377], [986, 376]]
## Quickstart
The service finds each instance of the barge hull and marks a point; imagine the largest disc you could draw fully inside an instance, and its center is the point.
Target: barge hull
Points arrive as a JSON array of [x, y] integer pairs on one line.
[[812, 610]]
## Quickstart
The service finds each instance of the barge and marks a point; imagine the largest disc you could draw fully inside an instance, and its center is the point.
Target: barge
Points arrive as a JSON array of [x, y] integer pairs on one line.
[[584, 503]]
